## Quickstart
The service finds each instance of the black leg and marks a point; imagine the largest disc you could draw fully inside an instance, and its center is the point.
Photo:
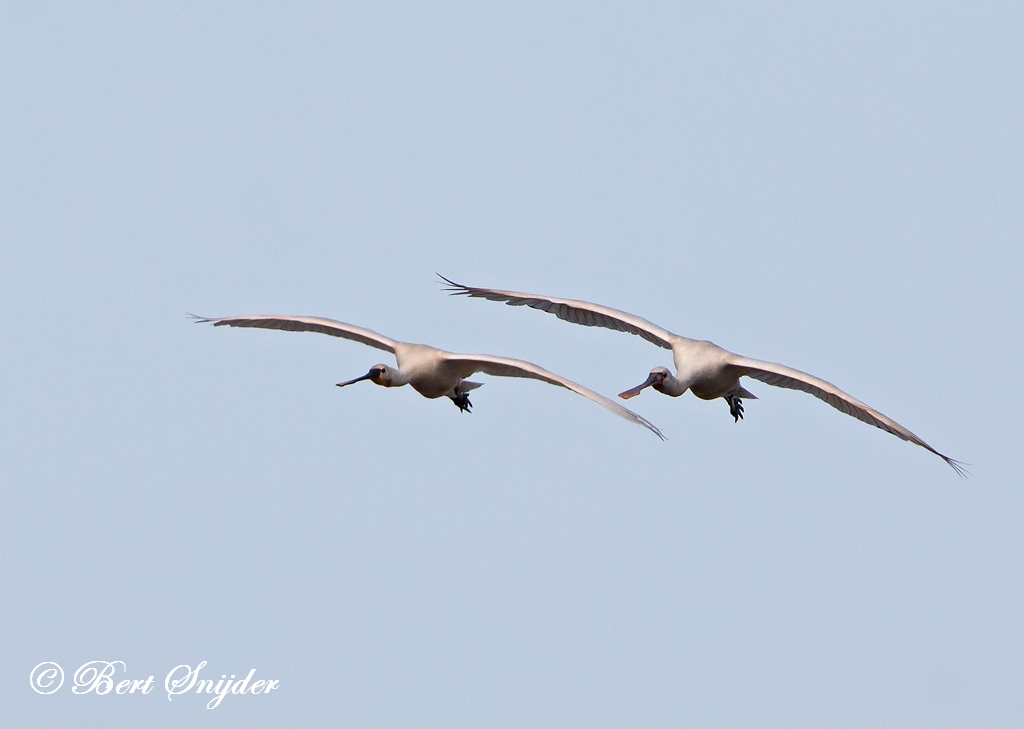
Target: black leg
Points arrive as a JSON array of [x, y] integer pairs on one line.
[[735, 407], [462, 400]]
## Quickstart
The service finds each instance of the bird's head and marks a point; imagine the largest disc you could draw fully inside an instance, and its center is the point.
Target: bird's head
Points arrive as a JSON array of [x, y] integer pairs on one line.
[[379, 374], [657, 379]]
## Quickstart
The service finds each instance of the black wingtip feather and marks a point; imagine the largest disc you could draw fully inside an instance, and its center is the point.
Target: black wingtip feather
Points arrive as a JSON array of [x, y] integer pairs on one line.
[[959, 466], [454, 289]]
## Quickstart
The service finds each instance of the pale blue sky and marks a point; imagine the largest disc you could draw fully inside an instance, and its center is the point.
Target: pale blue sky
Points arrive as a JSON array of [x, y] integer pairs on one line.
[[838, 188]]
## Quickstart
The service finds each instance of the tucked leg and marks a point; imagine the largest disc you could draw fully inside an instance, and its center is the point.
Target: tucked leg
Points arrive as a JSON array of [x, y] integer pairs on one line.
[[735, 407], [462, 400]]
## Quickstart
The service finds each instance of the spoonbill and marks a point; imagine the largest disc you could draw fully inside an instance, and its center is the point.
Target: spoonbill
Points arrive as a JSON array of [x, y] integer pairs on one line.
[[703, 368], [432, 372]]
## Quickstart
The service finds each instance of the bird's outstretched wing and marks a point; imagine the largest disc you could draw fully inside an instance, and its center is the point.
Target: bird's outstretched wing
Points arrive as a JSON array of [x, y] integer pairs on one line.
[[576, 312], [778, 375], [306, 324], [468, 364]]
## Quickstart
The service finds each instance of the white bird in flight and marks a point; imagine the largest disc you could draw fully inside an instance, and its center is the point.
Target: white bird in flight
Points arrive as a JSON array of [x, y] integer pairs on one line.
[[703, 368], [432, 372]]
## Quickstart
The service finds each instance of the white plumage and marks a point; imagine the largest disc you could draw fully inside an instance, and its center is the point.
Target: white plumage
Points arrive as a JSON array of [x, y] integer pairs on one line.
[[704, 368], [431, 372]]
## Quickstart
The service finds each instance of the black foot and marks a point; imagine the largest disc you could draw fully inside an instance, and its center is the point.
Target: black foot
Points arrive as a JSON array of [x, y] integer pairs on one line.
[[735, 407], [462, 400]]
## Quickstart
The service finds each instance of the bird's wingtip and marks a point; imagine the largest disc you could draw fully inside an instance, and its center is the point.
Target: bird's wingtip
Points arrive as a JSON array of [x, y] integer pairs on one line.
[[640, 419], [455, 289], [959, 466]]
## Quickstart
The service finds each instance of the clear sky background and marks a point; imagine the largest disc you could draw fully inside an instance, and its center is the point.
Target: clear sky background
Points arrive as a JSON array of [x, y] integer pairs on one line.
[[838, 187]]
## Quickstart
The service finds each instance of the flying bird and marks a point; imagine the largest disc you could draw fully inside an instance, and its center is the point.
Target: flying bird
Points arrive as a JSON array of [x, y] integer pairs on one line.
[[432, 372], [703, 368]]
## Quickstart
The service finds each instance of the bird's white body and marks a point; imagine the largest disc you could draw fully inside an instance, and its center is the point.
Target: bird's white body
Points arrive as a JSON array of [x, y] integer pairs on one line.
[[432, 372], [427, 370], [703, 368]]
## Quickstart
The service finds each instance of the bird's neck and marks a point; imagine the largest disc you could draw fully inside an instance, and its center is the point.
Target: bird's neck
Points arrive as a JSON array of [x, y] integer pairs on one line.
[[673, 386], [395, 378]]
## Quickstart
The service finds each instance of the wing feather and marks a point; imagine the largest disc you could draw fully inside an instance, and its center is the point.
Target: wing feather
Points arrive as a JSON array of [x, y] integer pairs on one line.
[[306, 324], [469, 364], [573, 311], [778, 375]]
